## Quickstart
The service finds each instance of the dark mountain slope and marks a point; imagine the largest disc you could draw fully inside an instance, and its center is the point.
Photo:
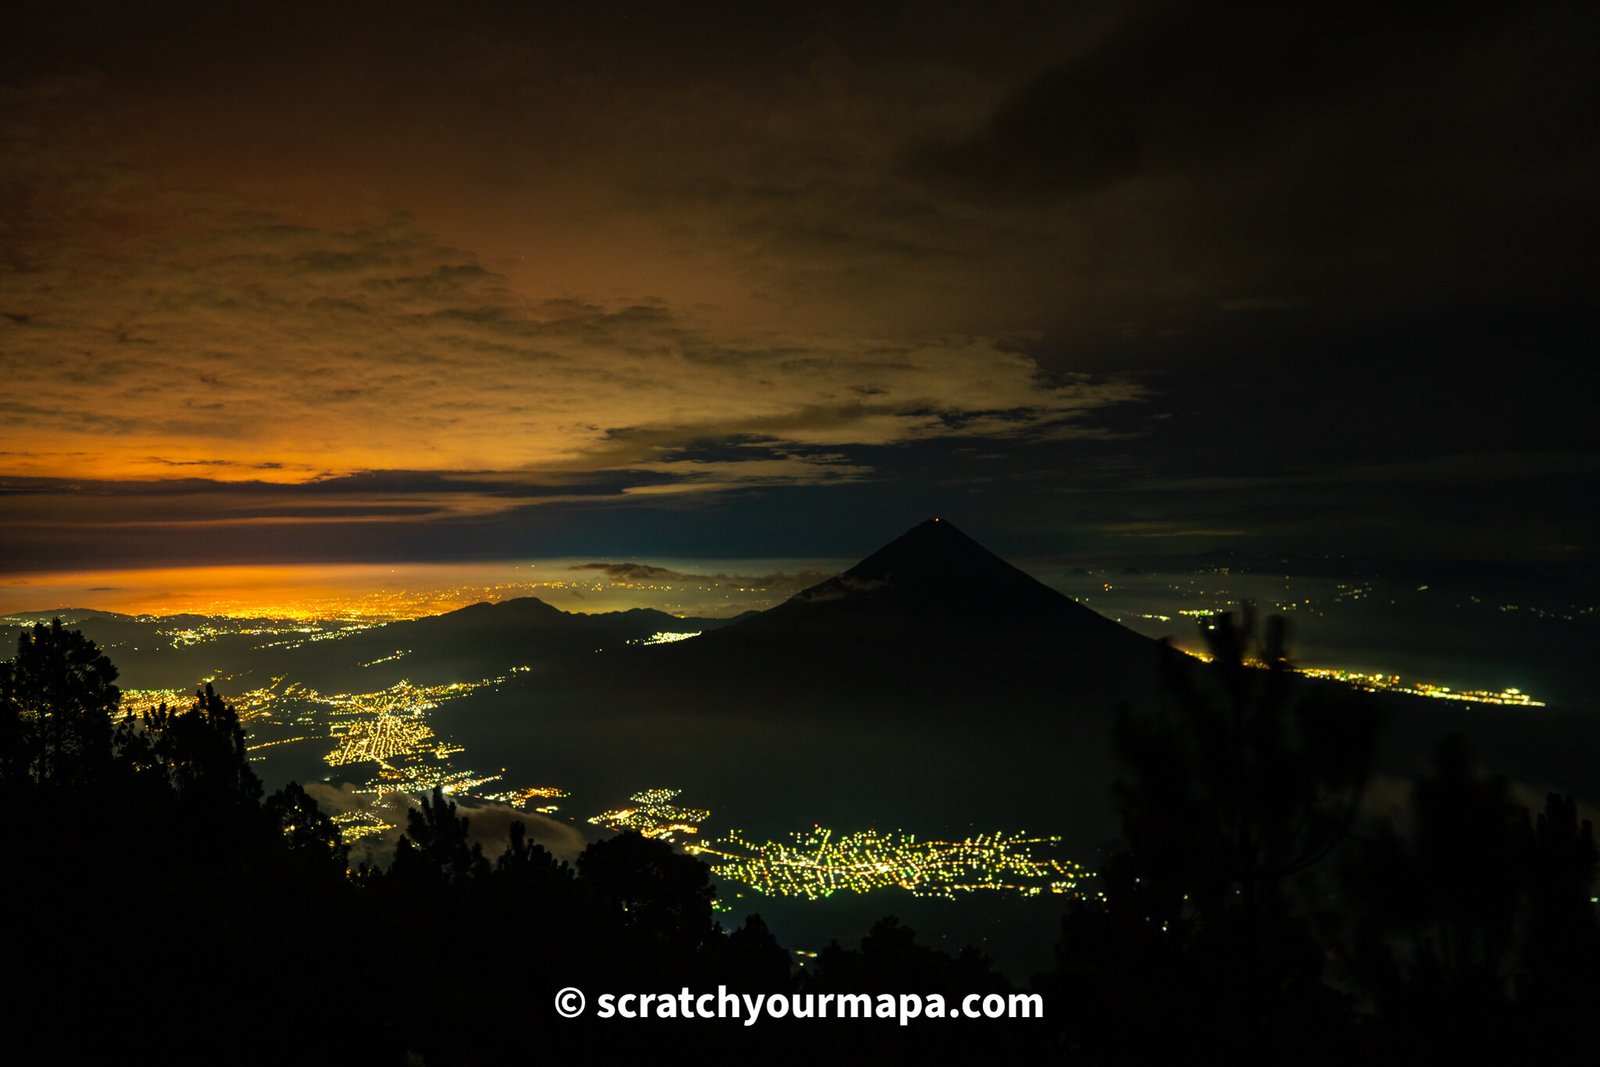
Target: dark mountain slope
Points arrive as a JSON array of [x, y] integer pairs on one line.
[[932, 686], [478, 641], [932, 613]]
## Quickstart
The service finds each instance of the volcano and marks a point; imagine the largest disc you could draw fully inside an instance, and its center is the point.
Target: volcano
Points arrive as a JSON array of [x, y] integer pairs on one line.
[[932, 612], [933, 685]]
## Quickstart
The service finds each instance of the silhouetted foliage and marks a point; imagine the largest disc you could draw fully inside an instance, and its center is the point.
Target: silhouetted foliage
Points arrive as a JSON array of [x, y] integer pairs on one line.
[[1561, 950], [1468, 929], [891, 959], [654, 899], [1236, 789], [310, 835], [755, 960], [1474, 931], [436, 849], [1241, 782], [154, 899], [56, 700], [1244, 781], [198, 752]]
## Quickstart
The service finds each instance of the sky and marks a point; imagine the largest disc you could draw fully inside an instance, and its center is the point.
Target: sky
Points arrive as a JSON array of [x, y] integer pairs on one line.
[[363, 283]]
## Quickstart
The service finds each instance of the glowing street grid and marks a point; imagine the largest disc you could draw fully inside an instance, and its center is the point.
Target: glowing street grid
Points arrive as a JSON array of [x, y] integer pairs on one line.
[[384, 736], [819, 863], [654, 815]]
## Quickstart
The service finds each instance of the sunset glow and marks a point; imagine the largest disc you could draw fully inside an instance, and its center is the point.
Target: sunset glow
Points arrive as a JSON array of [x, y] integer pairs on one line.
[[408, 591]]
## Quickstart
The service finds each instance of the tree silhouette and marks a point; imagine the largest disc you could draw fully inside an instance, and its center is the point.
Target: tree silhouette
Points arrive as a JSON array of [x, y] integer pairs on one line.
[[1245, 779], [199, 751], [1236, 787], [141, 858], [307, 830], [755, 960], [57, 697], [1562, 948], [1474, 932], [1558, 980], [526, 867], [437, 848], [890, 958], [656, 899]]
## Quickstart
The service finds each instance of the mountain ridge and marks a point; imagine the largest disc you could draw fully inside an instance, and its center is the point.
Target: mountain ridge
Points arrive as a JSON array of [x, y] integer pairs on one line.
[[932, 586]]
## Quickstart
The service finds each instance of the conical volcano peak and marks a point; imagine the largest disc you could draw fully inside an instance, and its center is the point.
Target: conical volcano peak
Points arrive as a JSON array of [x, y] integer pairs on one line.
[[932, 549], [934, 568]]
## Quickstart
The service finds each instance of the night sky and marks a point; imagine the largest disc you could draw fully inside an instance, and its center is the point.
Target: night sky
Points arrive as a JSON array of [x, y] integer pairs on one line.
[[404, 281]]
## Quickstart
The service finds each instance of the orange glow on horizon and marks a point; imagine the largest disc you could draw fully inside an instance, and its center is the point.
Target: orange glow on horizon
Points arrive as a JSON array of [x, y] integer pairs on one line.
[[287, 591], [392, 591]]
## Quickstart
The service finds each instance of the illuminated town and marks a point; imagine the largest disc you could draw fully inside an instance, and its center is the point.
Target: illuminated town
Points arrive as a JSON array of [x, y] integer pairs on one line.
[[384, 736], [665, 637], [654, 815], [1393, 683], [818, 863], [524, 798], [265, 705], [354, 825]]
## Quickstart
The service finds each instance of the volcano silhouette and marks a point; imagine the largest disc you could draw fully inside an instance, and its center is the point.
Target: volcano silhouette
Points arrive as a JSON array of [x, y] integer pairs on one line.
[[933, 608], [933, 685]]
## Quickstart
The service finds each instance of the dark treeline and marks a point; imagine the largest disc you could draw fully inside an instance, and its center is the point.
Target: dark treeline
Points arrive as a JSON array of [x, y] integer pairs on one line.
[[1259, 910], [159, 905]]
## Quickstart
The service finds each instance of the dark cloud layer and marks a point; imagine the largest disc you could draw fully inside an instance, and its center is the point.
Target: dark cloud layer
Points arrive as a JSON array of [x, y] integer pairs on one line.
[[483, 280]]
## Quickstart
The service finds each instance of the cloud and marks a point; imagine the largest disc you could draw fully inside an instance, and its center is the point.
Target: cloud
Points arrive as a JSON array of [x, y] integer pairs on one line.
[[1173, 84], [248, 349], [560, 263], [648, 572], [842, 587], [489, 826], [640, 572]]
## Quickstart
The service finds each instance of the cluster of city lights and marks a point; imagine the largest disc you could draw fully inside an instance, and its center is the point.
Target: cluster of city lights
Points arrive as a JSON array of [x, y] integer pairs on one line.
[[664, 637], [654, 815], [524, 798], [1393, 683], [819, 863], [386, 733], [354, 825]]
